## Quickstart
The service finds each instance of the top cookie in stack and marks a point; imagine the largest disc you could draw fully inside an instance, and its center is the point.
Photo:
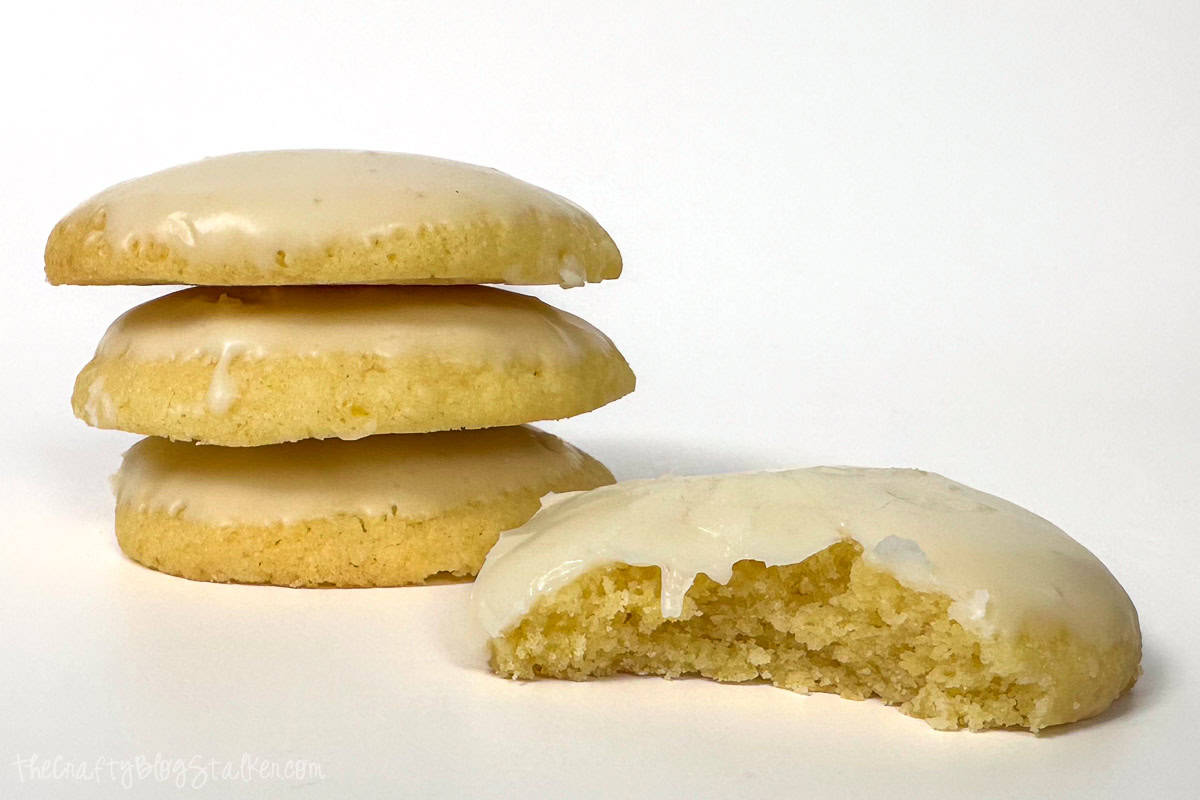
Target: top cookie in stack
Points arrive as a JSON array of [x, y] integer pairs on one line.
[[286, 353], [291, 217]]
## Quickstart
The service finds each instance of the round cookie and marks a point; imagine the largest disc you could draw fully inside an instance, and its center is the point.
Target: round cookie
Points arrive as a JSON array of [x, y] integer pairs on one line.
[[247, 366], [382, 511], [328, 217], [959, 607]]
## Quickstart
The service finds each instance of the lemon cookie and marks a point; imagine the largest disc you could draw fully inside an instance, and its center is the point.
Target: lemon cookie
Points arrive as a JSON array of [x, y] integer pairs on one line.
[[959, 607], [383, 511], [250, 366], [328, 217]]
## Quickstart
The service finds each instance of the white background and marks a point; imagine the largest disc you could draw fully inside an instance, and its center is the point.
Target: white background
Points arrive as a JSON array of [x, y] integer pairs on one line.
[[964, 237]]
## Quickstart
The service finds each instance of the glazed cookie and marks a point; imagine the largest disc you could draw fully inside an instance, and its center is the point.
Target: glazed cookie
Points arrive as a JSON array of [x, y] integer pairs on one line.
[[959, 607], [329, 217], [249, 366], [383, 511]]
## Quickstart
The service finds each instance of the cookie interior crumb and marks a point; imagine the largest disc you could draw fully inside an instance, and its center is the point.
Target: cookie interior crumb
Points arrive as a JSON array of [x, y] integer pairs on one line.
[[831, 624]]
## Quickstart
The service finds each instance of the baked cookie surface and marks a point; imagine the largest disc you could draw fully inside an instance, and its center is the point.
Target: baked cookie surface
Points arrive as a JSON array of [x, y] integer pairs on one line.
[[959, 607], [249, 366], [382, 511], [328, 217]]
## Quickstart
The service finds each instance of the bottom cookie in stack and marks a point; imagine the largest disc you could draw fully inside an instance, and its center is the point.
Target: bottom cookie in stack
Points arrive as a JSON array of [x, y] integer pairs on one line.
[[386, 510]]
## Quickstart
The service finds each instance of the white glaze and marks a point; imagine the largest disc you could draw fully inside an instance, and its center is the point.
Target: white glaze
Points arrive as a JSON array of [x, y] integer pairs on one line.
[[98, 408], [1006, 569], [455, 323], [413, 476], [450, 324], [256, 208], [222, 390]]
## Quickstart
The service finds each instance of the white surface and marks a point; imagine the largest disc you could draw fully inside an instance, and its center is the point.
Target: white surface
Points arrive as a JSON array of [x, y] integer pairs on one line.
[[958, 239]]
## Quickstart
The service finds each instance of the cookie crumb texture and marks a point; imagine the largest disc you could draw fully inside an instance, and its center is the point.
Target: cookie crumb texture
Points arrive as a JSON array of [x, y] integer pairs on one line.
[[829, 624]]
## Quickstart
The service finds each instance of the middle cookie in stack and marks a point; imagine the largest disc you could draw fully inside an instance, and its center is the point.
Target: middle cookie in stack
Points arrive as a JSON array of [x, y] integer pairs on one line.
[[249, 371]]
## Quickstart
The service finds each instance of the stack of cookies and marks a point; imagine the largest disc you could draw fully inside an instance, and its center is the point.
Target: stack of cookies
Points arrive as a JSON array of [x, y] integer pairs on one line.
[[336, 403]]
